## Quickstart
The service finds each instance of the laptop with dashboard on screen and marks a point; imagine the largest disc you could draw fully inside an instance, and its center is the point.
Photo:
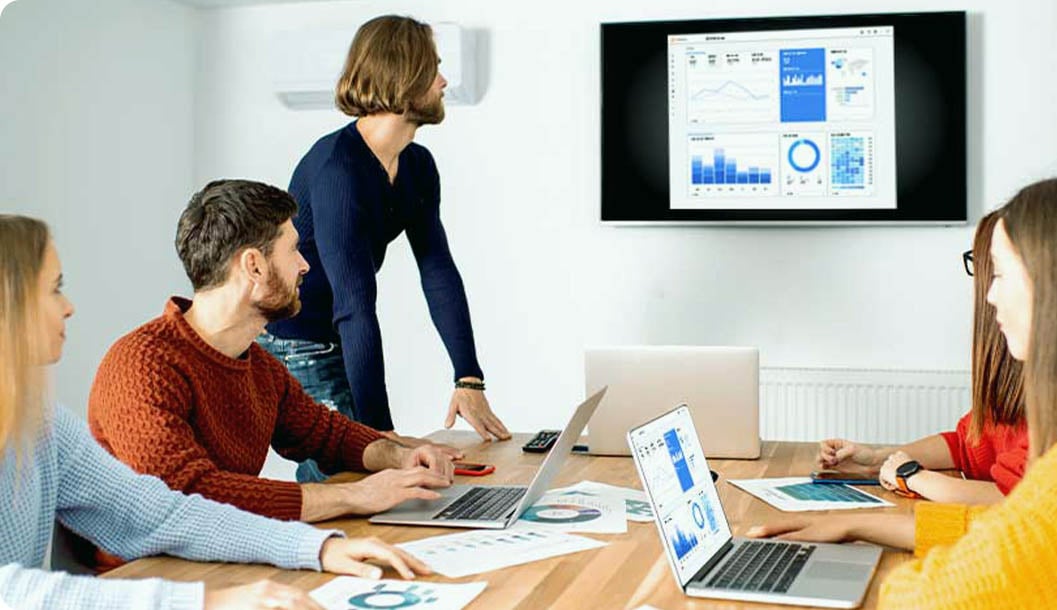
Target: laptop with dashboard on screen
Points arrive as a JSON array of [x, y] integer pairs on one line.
[[721, 385], [706, 560], [492, 506]]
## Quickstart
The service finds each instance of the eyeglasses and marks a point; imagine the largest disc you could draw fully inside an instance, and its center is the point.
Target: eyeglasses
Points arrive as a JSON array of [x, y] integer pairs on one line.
[[967, 259]]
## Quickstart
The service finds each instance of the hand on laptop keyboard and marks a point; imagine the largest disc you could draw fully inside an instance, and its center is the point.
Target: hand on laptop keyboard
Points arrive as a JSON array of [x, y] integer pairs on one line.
[[374, 494], [890, 530]]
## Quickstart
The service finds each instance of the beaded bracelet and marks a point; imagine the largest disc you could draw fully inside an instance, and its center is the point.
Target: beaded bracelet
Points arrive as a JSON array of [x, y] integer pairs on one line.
[[470, 385]]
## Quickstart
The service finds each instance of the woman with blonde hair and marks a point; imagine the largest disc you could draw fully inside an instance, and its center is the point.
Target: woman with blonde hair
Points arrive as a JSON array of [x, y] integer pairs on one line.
[[51, 468]]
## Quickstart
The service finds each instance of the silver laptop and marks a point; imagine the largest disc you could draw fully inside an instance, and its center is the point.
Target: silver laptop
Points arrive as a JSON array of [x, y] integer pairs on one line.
[[706, 560], [492, 507], [721, 385]]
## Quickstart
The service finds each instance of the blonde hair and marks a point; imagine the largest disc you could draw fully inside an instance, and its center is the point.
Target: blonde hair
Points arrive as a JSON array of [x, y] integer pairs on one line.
[[1030, 221], [23, 387], [392, 62]]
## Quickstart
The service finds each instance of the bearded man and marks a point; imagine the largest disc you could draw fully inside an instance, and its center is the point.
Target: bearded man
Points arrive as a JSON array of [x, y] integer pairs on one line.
[[358, 189], [192, 399]]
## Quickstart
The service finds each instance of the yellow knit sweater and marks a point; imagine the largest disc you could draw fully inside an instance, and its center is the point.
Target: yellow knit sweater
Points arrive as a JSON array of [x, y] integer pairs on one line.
[[999, 557]]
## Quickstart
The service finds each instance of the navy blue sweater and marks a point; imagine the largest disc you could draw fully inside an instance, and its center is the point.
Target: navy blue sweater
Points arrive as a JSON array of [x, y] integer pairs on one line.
[[348, 215]]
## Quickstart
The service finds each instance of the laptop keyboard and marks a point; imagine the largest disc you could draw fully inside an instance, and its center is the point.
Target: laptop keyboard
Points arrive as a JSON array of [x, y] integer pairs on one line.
[[763, 566], [482, 504]]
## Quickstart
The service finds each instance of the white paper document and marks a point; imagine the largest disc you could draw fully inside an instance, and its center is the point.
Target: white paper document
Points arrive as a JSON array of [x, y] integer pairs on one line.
[[798, 494], [466, 553], [574, 512], [636, 505], [351, 593]]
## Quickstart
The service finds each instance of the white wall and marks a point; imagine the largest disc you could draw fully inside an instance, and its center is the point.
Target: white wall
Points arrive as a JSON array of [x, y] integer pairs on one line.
[[520, 175], [96, 139], [116, 110]]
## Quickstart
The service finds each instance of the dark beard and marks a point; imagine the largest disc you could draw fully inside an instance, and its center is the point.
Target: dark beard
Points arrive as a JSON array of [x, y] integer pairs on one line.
[[426, 114], [282, 301]]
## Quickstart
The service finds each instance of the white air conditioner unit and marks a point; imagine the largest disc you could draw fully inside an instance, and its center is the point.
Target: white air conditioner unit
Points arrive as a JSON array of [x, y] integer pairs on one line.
[[307, 64]]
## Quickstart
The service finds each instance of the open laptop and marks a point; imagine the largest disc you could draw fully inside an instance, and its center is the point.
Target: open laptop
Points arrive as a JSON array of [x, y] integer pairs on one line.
[[721, 385], [706, 560], [487, 506]]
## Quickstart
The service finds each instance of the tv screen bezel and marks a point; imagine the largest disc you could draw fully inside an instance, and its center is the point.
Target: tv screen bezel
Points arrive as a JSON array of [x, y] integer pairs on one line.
[[941, 197]]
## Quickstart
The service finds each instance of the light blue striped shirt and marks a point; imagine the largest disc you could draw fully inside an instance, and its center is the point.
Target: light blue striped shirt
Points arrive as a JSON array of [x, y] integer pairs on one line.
[[70, 478]]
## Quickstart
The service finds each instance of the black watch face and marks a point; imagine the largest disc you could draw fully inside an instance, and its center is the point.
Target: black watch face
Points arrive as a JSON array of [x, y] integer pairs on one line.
[[908, 468]]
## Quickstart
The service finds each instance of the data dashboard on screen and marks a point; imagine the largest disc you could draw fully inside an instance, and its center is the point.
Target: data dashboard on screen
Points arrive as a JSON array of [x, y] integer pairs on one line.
[[679, 482], [850, 118], [783, 119]]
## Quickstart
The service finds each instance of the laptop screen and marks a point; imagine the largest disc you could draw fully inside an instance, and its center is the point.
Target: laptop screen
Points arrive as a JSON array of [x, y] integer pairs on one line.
[[685, 501]]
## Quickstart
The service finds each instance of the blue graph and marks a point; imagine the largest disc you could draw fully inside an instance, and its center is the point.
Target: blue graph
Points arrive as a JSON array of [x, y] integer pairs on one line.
[[704, 515], [683, 543], [710, 514], [698, 514], [827, 493], [808, 162], [722, 90], [675, 452], [724, 170], [803, 85], [848, 162]]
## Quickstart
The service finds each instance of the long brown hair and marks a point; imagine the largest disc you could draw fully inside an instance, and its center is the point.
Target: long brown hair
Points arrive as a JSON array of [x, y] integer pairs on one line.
[[1030, 220], [391, 63], [23, 242], [998, 388]]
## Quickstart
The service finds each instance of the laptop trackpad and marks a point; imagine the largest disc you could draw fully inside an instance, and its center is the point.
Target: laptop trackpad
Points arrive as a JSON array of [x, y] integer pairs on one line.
[[839, 571], [425, 509]]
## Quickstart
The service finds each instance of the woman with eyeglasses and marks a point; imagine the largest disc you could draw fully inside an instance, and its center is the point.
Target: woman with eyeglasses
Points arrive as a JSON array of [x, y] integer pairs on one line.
[[989, 444], [1002, 556], [51, 468]]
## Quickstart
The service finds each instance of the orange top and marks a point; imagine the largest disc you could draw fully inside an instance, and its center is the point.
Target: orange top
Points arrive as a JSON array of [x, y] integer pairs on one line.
[[1000, 455], [1003, 556]]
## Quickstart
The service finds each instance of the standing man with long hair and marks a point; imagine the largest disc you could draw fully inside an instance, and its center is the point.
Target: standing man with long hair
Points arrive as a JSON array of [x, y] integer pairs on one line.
[[358, 189]]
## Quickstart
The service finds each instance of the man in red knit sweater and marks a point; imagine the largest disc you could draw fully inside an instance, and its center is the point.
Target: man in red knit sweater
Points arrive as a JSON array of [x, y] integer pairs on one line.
[[191, 398]]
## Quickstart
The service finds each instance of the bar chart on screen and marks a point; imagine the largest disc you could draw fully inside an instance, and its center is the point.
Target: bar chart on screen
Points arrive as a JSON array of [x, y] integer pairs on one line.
[[732, 164]]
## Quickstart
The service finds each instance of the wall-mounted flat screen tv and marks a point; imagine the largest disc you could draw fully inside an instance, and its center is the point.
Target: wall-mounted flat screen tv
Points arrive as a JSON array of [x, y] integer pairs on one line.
[[824, 120]]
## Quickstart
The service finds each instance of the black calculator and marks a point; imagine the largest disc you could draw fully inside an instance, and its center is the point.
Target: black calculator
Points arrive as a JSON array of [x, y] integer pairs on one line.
[[542, 442]]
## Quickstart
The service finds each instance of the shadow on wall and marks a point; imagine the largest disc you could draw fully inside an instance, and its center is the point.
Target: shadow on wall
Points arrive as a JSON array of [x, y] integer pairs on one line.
[[482, 62]]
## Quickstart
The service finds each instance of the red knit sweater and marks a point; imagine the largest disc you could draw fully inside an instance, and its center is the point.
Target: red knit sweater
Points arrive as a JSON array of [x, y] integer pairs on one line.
[[167, 404], [1000, 455]]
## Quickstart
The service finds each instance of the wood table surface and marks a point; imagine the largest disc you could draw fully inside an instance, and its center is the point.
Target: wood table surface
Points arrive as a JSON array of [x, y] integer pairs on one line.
[[626, 573]]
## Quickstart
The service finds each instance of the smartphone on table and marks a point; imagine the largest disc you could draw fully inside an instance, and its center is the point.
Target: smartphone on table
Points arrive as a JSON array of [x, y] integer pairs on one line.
[[847, 478], [471, 469]]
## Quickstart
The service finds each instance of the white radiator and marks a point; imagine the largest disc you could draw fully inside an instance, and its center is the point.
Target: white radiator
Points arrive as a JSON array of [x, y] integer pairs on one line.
[[871, 406]]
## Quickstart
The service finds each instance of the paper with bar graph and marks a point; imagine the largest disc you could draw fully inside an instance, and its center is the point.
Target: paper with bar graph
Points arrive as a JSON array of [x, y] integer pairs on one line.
[[466, 553], [798, 494]]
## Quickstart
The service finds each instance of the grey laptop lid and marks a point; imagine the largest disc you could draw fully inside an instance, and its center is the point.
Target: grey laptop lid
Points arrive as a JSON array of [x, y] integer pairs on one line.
[[719, 384], [561, 449]]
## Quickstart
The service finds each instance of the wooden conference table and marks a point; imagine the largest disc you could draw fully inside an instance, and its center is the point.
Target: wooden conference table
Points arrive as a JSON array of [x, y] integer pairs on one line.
[[627, 573]]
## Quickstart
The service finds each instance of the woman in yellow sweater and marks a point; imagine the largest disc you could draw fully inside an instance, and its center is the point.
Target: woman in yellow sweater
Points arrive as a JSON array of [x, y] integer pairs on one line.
[[1004, 556]]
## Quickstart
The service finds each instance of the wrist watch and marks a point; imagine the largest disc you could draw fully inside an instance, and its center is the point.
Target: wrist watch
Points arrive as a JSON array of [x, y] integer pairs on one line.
[[904, 472]]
